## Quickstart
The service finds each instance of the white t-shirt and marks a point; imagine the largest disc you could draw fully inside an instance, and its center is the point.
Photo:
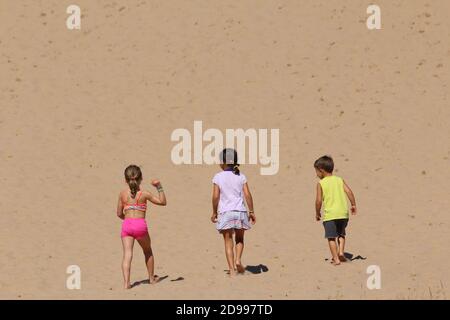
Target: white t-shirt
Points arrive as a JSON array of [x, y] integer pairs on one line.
[[231, 191]]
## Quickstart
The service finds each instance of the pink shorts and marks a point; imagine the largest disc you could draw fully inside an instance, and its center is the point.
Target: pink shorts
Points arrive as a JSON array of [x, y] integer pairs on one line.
[[134, 227]]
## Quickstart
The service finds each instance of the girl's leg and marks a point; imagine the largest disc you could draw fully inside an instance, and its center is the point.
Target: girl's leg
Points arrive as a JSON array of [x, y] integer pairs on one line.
[[229, 249], [341, 241], [127, 243], [334, 251], [145, 244], [239, 238]]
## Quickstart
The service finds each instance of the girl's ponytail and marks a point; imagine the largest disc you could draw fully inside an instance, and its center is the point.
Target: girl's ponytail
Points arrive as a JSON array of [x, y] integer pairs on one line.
[[236, 170], [133, 187]]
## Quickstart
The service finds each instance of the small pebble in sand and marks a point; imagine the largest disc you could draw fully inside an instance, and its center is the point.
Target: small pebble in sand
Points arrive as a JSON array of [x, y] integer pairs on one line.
[[424, 172]]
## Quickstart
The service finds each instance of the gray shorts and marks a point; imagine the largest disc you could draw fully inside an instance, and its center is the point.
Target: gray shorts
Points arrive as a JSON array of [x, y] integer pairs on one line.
[[335, 228]]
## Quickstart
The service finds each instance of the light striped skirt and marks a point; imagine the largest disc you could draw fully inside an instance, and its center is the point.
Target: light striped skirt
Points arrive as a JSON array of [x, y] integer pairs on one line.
[[233, 220]]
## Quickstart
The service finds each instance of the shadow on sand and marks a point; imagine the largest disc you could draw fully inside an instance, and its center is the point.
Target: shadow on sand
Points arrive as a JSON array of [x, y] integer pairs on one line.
[[138, 283], [257, 269], [252, 269], [350, 257]]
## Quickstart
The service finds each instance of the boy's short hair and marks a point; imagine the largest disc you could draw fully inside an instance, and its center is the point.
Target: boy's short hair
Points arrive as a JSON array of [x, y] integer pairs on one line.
[[325, 163]]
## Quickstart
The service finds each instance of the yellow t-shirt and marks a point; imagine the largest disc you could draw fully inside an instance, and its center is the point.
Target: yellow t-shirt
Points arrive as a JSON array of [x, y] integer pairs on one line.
[[334, 198]]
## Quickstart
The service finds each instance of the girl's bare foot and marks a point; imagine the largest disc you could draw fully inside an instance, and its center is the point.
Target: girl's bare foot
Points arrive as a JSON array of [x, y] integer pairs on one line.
[[342, 258], [240, 268], [231, 273], [127, 286]]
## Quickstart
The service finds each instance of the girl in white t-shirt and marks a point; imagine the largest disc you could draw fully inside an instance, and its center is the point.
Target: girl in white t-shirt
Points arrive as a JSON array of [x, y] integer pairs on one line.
[[229, 212]]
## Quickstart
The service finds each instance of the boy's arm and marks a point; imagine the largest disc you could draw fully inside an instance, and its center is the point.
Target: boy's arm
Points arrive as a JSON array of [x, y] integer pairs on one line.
[[351, 197], [215, 201], [318, 201], [249, 199], [120, 208]]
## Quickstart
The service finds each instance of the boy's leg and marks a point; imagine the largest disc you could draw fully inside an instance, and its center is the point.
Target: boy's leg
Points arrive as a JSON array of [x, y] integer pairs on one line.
[[127, 243], [334, 251], [341, 241], [229, 249], [239, 238], [331, 235], [341, 225]]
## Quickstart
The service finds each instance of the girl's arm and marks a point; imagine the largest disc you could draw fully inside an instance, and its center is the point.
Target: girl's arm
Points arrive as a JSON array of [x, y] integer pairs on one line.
[[215, 201], [249, 200], [160, 200], [351, 197], [120, 208], [318, 201]]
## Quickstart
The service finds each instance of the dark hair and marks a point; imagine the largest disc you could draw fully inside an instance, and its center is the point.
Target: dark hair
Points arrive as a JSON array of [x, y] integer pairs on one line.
[[325, 163], [133, 176], [229, 157]]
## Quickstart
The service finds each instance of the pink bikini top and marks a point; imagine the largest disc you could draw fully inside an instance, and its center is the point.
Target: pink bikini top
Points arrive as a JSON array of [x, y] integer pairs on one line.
[[136, 206]]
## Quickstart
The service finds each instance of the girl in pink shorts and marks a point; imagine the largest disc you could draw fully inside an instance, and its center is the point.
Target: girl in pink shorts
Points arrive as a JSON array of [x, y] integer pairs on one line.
[[230, 192], [131, 208]]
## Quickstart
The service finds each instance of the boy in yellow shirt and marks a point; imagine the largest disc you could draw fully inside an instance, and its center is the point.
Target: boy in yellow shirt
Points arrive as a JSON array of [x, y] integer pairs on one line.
[[331, 196]]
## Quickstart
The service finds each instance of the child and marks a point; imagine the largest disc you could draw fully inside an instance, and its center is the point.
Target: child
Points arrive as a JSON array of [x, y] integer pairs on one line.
[[131, 208], [331, 192], [229, 212]]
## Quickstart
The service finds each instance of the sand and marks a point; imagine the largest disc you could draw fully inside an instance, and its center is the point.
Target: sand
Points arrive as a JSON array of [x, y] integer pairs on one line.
[[76, 107]]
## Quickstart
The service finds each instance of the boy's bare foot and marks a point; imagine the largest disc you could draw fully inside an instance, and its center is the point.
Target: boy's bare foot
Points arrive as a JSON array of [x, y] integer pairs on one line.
[[231, 273], [155, 279], [335, 262], [127, 286], [342, 258], [240, 268]]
